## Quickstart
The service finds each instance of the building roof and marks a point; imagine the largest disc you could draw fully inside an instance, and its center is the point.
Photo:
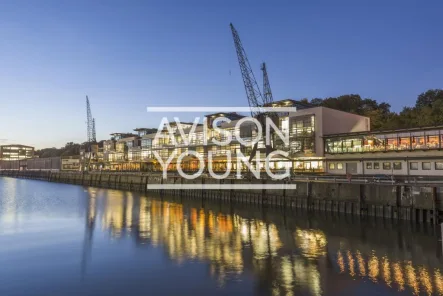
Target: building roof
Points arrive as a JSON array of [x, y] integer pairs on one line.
[[145, 129], [288, 102], [16, 145], [123, 134], [388, 131], [230, 115], [173, 123]]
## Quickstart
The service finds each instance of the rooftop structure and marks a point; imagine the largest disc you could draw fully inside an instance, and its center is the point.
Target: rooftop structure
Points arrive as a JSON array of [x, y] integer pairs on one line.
[[289, 103], [145, 131], [118, 136]]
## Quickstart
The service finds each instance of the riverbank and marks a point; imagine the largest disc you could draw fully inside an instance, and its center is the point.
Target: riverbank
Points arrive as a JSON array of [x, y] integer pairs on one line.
[[418, 203]]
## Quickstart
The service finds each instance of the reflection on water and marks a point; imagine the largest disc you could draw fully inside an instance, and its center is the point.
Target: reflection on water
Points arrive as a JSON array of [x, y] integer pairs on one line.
[[231, 243], [277, 252]]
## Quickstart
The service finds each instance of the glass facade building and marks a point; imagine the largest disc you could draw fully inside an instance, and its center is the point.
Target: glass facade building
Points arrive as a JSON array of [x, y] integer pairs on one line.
[[398, 140]]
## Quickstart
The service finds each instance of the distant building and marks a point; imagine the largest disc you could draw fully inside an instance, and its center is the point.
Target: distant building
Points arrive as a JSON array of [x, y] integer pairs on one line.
[[16, 152], [70, 163]]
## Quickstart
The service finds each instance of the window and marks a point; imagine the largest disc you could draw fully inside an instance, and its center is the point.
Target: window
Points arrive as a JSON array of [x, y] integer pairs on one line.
[[332, 166], [418, 142], [339, 166], [369, 165], [386, 165], [376, 166], [426, 166], [405, 143], [392, 144], [397, 165], [432, 142], [439, 165], [147, 143], [413, 165]]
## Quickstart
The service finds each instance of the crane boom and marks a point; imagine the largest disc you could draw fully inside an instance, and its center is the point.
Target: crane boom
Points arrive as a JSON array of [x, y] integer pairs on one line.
[[89, 122], [267, 93], [253, 93]]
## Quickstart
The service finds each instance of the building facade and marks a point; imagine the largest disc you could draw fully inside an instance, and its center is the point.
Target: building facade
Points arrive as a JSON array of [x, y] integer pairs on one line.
[[406, 152], [16, 152], [306, 127]]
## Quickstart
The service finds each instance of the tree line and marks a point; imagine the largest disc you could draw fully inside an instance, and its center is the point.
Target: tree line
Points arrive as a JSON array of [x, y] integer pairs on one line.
[[70, 149], [428, 110]]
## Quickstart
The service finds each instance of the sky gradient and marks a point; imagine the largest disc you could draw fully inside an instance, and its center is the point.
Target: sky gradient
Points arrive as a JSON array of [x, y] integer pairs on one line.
[[127, 55]]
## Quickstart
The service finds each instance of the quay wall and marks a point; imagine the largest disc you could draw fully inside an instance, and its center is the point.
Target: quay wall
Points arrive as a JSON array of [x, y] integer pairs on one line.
[[391, 201]]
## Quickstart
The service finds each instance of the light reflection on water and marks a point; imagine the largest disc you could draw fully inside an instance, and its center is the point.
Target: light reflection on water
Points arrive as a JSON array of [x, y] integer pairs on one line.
[[242, 249]]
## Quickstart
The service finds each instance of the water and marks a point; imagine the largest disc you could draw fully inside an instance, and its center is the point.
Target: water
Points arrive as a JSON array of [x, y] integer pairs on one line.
[[58, 239]]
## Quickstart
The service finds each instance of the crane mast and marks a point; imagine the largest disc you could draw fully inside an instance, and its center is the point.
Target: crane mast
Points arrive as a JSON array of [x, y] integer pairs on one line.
[[253, 93], [94, 137], [90, 123]]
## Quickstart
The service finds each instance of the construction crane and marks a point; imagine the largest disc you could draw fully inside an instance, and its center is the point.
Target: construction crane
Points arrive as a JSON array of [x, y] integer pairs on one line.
[[94, 138], [90, 122], [253, 93], [267, 93], [268, 100]]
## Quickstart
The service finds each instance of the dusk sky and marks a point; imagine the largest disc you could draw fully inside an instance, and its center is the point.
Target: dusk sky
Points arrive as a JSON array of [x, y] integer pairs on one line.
[[127, 55]]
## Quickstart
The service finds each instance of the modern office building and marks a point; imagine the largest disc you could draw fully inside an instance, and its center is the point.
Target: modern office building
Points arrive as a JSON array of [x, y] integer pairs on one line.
[[306, 127], [118, 151], [414, 152], [16, 152]]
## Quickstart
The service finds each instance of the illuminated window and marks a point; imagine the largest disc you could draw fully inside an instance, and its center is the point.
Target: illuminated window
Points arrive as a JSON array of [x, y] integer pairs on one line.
[[284, 124], [332, 166], [418, 142], [432, 142], [392, 144], [405, 143], [369, 165], [413, 166], [339, 166], [386, 165], [426, 166]]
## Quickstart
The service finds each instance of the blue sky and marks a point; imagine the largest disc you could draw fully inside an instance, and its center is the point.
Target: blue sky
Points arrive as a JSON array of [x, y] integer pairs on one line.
[[127, 55]]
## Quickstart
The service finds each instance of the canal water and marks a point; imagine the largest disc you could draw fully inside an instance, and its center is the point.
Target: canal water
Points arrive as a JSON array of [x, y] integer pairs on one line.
[[59, 239]]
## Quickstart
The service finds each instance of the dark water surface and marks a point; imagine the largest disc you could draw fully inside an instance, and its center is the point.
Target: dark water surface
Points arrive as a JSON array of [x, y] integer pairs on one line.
[[58, 239]]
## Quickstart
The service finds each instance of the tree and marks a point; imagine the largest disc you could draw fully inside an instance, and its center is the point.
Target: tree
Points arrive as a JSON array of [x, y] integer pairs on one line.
[[428, 98], [428, 110]]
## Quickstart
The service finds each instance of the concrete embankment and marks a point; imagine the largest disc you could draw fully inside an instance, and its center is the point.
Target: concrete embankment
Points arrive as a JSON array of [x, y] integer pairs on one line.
[[421, 204]]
